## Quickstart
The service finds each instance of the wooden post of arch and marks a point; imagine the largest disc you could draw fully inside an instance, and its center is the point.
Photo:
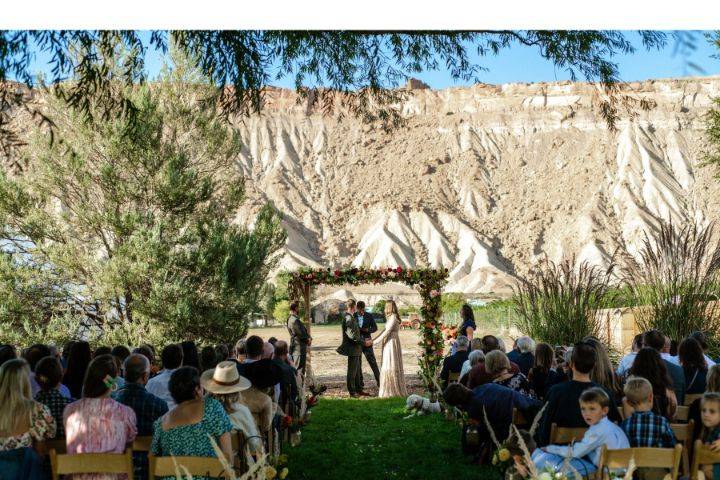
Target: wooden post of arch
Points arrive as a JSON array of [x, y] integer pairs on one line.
[[306, 299]]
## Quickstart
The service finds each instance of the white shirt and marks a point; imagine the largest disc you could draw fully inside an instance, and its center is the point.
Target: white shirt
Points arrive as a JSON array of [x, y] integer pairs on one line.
[[625, 364], [158, 386], [242, 420], [602, 433], [676, 359], [465, 368]]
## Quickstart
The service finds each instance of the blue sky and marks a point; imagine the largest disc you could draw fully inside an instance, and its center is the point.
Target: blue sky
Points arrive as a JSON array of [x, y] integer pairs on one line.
[[524, 64]]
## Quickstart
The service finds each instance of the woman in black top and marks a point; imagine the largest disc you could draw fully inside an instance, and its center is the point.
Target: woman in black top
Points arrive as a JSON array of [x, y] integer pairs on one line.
[[648, 364], [77, 364], [690, 354], [543, 375], [468, 326]]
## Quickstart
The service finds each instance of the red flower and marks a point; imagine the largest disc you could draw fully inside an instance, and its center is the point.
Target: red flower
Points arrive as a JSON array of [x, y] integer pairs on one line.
[[338, 273], [399, 269]]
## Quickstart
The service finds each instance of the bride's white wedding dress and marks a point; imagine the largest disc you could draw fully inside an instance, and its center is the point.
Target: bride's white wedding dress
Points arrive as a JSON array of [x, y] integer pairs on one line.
[[392, 377]]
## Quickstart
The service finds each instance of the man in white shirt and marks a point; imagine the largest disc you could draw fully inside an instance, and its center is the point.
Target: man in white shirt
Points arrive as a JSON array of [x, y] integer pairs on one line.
[[172, 359], [700, 337], [627, 360]]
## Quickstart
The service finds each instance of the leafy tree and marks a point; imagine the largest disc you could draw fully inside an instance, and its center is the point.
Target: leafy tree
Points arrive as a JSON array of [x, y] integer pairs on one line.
[[380, 306], [452, 302], [136, 216], [282, 310], [356, 70]]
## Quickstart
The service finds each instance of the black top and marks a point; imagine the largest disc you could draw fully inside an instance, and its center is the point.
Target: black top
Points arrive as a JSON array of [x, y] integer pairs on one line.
[[563, 408], [452, 364], [542, 381], [695, 379], [524, 360], [468, 323]]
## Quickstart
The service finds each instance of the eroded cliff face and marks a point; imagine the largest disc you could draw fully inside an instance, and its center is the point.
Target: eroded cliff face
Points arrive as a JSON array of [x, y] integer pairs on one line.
[[483, 180]]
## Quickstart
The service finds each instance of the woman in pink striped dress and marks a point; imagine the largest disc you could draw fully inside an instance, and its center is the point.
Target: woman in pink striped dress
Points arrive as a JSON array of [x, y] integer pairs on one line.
[[97, 423]]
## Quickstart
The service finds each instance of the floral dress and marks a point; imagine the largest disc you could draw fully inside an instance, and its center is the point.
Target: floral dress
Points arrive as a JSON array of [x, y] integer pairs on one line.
[[192, 440], [98, 425], [42, 427], [519, 383]]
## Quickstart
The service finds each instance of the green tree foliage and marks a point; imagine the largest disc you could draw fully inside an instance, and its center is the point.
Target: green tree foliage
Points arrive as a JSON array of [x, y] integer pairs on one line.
[[452, 302], [136, 217], [281, 311], [380, 306], [358, 70]]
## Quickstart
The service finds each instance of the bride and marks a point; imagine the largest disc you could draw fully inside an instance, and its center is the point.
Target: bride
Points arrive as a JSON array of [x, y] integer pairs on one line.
[[392, 378]]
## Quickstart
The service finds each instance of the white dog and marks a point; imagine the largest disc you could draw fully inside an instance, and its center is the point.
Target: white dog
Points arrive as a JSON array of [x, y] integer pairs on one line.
[[421, 406]]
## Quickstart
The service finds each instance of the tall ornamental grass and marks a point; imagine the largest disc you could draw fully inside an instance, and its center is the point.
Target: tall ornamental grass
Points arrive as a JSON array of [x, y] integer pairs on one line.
[[556, 303], [673, 279]]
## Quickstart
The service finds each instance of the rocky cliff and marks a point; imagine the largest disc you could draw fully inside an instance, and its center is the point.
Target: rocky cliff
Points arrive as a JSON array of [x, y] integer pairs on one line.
[[482, 180]]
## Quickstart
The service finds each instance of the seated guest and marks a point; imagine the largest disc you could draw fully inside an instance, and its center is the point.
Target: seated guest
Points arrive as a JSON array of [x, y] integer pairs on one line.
[[584, 455], [222, 352], [478, 375], [495, 400], [644, 428], [603, 373], [627, 361], [102, 350], [191, 358], [148, 352], [563, 400], [78, 360], [702, 340], [453, 363], [650, 366], [224, 384], [96, 423], [32, 356], [23, 421], [693, 363], [240, 350], [543, 375], [147, 407], [475, 357], [713, 386], [262, 372], [48, 374], [498, 365], [208, 358], [121, 352], [658, 342], [187, 429], [289, 376], [172, 359], [523, 354], [7, 352]]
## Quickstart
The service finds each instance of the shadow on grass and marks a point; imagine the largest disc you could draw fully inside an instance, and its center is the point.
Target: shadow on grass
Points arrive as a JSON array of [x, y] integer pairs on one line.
[[369, 439]]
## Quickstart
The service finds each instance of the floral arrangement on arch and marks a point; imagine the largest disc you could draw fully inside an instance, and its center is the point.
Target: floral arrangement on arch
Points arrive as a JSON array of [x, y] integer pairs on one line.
[[427, 281]]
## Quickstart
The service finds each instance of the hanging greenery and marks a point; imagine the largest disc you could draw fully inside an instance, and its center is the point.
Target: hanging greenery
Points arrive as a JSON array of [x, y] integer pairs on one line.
[[428, 282]]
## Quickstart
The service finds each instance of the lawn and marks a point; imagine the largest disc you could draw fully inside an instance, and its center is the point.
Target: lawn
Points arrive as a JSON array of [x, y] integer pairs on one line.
[[369, 439]]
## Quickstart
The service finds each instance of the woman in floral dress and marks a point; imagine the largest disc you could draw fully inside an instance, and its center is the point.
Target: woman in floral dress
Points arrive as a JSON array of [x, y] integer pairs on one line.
[[497, 364], [187, 429], [97, 423], [23, 421]]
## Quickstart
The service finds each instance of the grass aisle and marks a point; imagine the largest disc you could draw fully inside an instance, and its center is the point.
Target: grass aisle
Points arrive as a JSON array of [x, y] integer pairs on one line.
[[368, 439]]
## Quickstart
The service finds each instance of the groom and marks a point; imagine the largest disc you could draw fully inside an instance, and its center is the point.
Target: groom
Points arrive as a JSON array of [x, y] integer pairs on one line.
[[351, 347], [367, 326]]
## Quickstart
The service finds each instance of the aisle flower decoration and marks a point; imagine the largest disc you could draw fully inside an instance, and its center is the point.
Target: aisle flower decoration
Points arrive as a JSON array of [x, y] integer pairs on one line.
[[427, 281]]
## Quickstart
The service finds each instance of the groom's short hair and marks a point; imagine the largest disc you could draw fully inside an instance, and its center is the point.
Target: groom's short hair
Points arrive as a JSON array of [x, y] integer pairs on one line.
[[361, 305], [294, 307]]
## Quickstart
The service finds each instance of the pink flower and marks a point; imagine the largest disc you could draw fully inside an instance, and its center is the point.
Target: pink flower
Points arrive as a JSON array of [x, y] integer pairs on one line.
[[434, 293], [399, 269]]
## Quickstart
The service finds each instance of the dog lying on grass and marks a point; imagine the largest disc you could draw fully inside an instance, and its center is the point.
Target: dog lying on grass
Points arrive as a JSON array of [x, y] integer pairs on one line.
[[418, 405]]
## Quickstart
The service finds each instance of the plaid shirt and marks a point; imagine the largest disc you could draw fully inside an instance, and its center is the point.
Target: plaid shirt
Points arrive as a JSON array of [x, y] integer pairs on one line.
[[56, 403], [147, 406], [648, 429]]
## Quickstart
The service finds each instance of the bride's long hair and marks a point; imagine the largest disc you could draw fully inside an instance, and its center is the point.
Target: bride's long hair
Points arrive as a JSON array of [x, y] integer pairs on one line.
[[391, 309]]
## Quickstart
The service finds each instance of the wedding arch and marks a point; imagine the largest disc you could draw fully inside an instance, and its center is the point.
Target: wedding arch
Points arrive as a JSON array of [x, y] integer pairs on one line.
[[427, 281]]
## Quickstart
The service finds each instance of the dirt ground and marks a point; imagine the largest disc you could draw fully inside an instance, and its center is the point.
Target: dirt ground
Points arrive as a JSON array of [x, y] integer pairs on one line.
[[329, 367]]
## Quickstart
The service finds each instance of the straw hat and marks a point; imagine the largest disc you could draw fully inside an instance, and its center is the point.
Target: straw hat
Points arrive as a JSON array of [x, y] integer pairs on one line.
[[224, 379]]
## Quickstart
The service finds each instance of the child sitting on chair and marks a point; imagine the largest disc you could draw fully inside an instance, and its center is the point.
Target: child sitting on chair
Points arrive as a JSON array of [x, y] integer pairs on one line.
[[644, 428], [584, 456], [710, 415]]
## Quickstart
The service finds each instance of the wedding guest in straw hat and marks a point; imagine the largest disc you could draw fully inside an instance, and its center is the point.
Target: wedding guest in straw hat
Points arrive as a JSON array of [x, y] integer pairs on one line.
[[224, 383]]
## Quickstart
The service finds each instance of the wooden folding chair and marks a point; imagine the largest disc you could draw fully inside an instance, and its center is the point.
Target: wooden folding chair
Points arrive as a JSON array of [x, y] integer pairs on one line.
[[196, 466], [518, 419], [565, 435], [690, 398], [702, 455], [43, 448], [91, 463], [684, 434], [681, 414], [643, 457], [239, 448], [142, 444]]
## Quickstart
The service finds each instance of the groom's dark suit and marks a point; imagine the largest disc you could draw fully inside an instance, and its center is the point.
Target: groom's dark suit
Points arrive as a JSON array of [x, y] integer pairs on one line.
[[351, 347], [367, 325]]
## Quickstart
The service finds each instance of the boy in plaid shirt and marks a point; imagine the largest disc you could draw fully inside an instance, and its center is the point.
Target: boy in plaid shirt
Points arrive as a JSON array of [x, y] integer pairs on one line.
[[644, 428]]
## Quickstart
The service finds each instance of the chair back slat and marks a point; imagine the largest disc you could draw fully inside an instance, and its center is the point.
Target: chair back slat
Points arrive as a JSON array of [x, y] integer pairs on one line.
[[684, 434], [565, 435], [681, 414], [643, 457], [702, 455], [196, 466], [91, 463]]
